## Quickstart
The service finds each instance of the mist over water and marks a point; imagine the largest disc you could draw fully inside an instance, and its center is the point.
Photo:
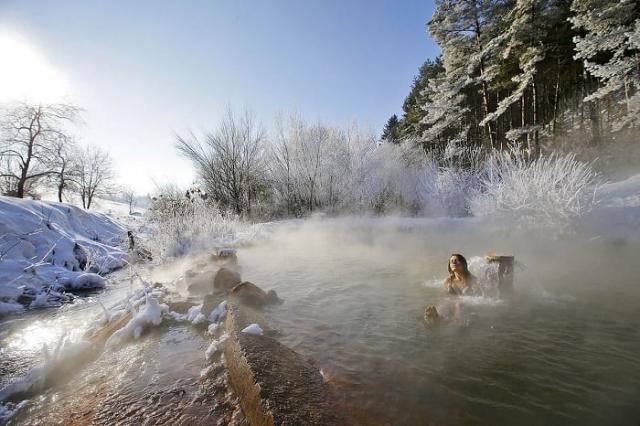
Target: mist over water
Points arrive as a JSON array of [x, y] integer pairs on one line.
[[561, 349]]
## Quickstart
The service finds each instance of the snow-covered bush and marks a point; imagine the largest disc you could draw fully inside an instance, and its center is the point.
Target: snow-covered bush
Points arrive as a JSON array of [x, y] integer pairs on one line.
[[551, 190], [185, 222], [402, 177]]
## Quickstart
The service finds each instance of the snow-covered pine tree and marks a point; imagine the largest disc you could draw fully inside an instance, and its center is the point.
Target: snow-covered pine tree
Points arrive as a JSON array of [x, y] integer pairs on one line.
[[468, 34], [446, 114], [609, 45], [524, 41]]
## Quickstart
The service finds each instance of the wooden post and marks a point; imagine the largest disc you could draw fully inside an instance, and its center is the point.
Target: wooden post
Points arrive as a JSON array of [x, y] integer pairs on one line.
[[505, 271]]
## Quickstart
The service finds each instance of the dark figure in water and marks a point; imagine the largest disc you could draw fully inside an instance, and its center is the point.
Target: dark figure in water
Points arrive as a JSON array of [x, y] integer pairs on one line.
[[132, 243], [459, 282]]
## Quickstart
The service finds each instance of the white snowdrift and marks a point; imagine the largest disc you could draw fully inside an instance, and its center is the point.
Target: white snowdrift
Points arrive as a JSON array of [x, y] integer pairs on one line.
[[215, 346], [47, 248], [253, 329], [150, 316], [617, 216]]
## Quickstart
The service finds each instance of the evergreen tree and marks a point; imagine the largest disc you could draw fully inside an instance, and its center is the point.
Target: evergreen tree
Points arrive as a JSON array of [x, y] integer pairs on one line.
[[469, 34], [610, 49], [527, 70], [391, 131], [411, 123]]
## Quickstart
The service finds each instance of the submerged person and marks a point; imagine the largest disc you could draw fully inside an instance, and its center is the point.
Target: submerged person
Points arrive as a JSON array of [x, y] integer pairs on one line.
[[459, 282]]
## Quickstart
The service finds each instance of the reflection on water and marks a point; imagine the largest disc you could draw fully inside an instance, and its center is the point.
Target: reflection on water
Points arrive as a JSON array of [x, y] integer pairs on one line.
[[562, 350]]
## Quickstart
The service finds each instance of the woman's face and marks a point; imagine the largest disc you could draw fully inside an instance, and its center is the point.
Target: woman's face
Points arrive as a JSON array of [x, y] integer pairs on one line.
[[455, 264]]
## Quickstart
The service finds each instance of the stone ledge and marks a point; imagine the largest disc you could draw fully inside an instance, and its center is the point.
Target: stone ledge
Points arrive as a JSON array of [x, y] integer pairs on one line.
[[276, 386]]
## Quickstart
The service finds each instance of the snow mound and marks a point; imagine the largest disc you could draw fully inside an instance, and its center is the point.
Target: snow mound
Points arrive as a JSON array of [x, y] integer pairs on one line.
[[253, 329], [151, 315], [49, 247], [195, 316], [219, 312], [617, 216], [10, 308], [215, 346], [87, 281]]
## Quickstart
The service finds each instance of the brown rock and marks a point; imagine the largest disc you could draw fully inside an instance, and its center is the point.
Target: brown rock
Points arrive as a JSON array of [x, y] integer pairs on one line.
[[226, 279], [275, 384], [250, 294], [199, 282], [179, 306]]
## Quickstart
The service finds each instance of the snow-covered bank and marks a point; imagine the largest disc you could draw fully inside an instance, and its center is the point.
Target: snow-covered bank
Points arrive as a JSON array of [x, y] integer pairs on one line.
[[47, 248], [617, 216]]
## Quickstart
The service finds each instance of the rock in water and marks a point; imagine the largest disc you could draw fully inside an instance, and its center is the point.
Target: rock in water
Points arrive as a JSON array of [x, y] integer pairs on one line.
[[226, 279], [250, 294]]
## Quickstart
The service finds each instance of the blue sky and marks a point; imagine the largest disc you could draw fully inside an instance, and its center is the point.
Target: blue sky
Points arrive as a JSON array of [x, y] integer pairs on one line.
[[146, 69]]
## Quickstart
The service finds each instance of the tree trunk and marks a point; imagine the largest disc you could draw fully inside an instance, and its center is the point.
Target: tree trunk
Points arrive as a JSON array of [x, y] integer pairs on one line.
[[485, 90], [20, 191], [523, 115], [594, 117], [555, 102], [535, 147]]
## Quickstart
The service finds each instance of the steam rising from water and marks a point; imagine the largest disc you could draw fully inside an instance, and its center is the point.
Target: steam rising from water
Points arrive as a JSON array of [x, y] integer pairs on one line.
[[355, 289], [560, 349]]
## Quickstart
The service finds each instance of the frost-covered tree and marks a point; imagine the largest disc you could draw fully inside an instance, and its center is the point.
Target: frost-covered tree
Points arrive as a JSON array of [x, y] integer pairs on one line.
[[508, 73], [281, 164], [129, 196], [609, 44], [95, 174], [65, 165], [468, 32], [29, 136], [230, 160], [524, 41], [446, 113]]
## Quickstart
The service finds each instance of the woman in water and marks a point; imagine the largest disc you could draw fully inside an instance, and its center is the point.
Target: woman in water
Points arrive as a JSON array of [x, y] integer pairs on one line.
[[459, 282]]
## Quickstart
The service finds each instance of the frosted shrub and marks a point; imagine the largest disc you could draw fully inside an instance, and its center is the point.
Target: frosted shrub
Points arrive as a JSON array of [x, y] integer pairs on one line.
[[446, 181], [552, 190], [181, 224]]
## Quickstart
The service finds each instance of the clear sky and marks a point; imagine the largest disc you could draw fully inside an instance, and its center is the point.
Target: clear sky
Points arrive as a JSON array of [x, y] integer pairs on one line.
[[144, 70]]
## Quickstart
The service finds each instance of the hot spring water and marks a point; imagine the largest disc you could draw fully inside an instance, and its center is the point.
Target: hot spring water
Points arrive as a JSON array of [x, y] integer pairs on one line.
[[561, 350]]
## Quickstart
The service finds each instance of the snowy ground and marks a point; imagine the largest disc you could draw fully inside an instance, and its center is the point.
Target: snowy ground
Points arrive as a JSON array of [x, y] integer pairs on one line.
[[116, 210], [617, 216], [48, 249]]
